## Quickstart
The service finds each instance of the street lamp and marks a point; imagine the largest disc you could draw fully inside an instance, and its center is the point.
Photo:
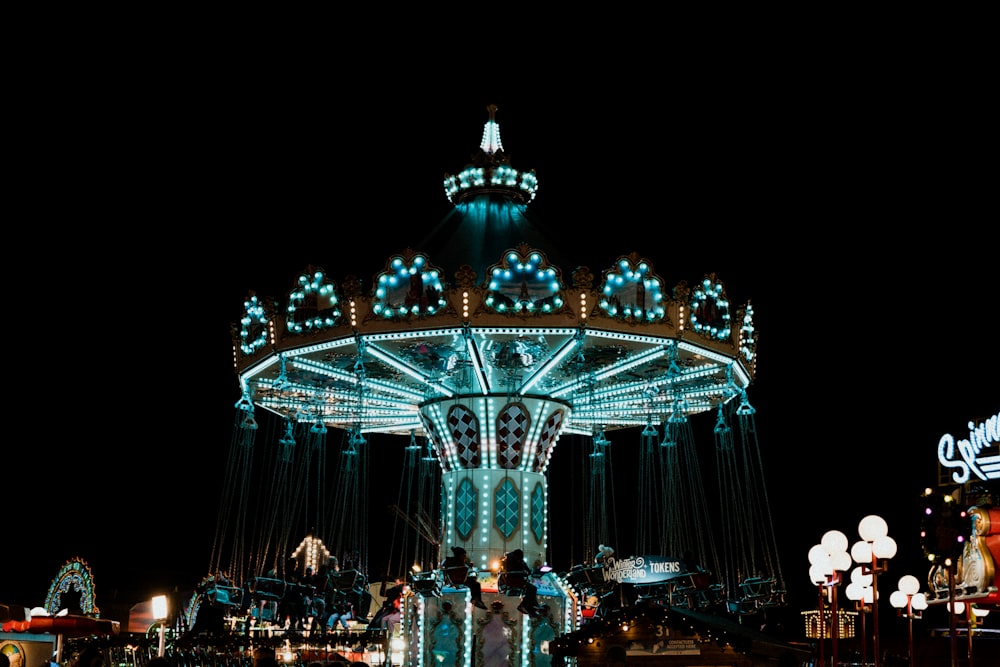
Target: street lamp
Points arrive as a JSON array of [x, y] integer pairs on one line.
[[875, 545], [160, 615], [908, 598], [972, 615], [827, 560], [860, 590], [819, 559]]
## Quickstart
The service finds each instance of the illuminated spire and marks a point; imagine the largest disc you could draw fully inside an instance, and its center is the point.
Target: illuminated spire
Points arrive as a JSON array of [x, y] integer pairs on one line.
[[491, 133]]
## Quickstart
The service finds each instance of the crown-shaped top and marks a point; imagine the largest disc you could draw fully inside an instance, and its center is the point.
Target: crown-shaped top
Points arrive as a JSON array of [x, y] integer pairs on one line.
[[490, 171]]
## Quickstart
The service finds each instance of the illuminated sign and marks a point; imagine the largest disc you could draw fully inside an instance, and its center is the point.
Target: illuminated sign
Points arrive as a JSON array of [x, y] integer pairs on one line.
[[643, 569], [971, 456]]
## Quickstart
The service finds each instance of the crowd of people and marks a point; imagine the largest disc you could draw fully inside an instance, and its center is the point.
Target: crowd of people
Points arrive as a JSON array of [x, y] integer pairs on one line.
[[324, 599]]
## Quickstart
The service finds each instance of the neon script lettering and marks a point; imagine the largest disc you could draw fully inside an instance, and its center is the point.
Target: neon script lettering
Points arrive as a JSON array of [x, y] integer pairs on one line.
[[966, 456]]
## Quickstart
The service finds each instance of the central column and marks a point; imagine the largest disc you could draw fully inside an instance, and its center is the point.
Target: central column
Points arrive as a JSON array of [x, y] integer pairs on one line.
[[494, 452]]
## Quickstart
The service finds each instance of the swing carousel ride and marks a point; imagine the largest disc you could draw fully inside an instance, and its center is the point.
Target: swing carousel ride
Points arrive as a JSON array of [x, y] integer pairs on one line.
[[478, 355]]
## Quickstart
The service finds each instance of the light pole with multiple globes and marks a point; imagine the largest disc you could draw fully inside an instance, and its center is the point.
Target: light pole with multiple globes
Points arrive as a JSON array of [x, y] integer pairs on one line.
[[871, 552], [827, 560], [907, 597], [860, 590]]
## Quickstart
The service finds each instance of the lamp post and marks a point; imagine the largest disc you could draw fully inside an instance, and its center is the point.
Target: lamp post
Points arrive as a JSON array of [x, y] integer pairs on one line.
[[972, 615], [975, 618], [817, 574], [875, 545], [160, 615], [828, 559], [860, 590], [907, 597], [818, 577]]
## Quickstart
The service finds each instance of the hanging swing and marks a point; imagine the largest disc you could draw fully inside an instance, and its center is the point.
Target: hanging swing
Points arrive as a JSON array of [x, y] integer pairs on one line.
[[751, 569]]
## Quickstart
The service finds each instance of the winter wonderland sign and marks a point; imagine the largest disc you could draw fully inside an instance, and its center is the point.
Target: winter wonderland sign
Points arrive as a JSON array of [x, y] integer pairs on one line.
[[643, 569], [978, 455]]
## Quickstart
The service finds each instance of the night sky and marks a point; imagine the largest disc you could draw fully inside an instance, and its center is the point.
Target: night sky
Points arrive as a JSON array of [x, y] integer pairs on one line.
[[848, 214]]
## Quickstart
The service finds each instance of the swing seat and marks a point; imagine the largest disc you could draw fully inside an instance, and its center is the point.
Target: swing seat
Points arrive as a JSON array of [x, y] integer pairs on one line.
[[262, 588], [267, 611], [456, 576], [425, 583], [513, 582], [347, 580], [227, 596]]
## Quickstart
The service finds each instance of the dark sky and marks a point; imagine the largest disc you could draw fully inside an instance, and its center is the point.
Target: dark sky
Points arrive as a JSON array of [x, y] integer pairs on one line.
[[847, 210]]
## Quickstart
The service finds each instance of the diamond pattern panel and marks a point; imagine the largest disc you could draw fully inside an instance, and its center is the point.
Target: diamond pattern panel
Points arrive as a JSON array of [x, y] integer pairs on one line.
[[513, 425], [507, 516], [465, 509], [464, 427]]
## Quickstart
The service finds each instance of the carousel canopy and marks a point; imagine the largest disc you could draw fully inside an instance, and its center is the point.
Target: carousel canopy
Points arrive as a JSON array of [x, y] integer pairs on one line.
[[613, 350]]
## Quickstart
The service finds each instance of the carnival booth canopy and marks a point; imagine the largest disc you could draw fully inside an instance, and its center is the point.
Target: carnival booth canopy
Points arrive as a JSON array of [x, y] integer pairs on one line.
[[73, 580], [70, 625]]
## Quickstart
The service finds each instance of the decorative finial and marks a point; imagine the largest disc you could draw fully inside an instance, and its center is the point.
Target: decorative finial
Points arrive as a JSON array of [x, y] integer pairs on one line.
[[490, 146]]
